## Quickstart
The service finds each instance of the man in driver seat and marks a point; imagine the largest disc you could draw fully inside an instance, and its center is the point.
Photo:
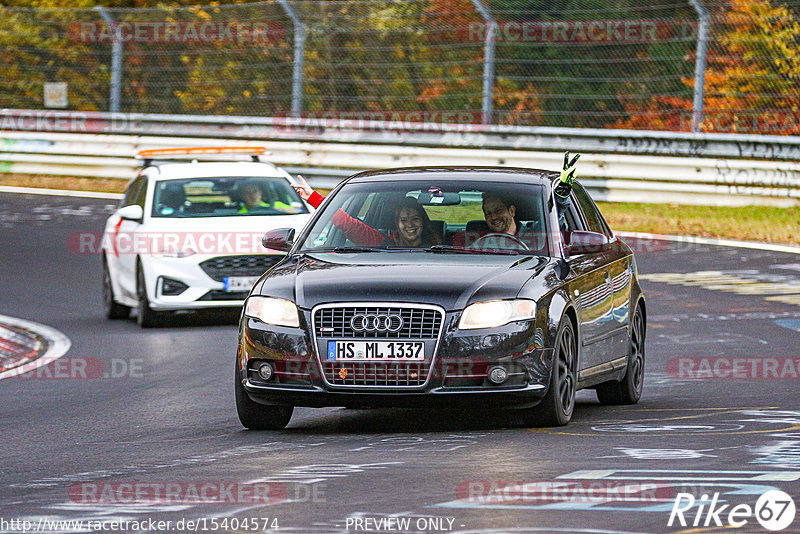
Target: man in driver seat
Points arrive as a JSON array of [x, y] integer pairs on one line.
[[499, 212]]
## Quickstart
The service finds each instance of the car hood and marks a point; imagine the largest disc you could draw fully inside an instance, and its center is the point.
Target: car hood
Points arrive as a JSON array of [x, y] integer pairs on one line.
[[448, 280]]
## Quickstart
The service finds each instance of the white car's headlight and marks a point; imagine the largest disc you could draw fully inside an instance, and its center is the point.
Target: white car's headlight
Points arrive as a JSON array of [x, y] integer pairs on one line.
[[161, 251], [496, 313], [278, 312]]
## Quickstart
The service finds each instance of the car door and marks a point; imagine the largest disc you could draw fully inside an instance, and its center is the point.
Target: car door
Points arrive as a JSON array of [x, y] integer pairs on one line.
[[125, 237], [592, 291], [620, 270]]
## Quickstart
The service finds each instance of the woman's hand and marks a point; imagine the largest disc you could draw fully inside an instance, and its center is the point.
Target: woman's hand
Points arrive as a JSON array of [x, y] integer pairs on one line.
[[304, 190]]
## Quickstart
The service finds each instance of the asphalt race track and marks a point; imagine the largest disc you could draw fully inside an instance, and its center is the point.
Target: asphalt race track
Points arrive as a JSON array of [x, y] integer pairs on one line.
[[134, 424]]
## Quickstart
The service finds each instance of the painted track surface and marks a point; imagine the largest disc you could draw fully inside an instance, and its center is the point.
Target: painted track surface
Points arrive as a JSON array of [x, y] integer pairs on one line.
[[157, 408]]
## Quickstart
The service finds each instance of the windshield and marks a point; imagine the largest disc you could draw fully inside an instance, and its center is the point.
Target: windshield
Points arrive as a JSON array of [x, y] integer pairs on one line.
[[225, 197], [441, 216]]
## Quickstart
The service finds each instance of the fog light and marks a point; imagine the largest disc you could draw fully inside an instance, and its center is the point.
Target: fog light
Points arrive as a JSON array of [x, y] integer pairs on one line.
[[265, 371], [497, 375], [171, 287]]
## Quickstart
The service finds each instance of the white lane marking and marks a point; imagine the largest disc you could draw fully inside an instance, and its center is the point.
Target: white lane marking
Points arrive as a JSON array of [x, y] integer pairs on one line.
[[712, 241], [663, 454], [59, 345], [58, 192]]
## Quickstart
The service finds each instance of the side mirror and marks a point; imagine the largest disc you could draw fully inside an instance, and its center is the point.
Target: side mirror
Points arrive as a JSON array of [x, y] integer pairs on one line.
[[581, 242], [280, 239], [133, 212]]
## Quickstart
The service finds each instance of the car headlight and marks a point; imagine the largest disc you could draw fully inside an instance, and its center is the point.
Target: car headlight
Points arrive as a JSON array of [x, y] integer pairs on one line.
[[161, 251], [496, 313], [278, 312]]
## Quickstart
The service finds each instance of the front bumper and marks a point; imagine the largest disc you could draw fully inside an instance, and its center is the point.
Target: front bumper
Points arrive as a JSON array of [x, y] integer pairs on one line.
[[457, 373], [201, 292], [434, 397]]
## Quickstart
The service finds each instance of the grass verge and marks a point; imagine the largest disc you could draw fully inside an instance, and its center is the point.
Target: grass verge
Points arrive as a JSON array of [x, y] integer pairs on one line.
[[747, 223]]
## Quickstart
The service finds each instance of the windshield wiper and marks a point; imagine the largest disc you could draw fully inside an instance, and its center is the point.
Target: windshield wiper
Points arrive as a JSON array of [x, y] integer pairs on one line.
[[404, 249], [354, 249], [463, 250]]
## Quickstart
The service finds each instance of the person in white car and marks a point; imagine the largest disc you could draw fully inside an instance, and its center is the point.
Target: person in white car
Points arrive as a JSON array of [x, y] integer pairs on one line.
[[253, 197]]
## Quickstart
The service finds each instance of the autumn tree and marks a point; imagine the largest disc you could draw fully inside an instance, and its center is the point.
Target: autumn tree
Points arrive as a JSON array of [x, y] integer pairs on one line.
[[752, 80]]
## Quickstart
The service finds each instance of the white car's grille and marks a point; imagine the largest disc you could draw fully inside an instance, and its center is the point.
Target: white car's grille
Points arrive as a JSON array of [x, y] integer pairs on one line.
[[254, 265]]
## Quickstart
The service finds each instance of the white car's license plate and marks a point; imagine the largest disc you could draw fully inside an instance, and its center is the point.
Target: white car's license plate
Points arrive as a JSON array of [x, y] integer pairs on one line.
[[350, 351], [239, 283]]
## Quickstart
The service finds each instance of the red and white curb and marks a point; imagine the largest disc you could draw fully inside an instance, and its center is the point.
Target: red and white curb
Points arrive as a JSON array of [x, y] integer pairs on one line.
[[24, 349]]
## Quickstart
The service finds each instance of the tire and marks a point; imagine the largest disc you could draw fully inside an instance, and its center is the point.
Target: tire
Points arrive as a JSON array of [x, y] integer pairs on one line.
[[145, 316], [259, 416], [111, 308], [629, 389], [557, 406]]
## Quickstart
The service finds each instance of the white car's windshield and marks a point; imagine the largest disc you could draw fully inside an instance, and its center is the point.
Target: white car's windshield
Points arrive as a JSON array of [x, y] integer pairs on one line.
[[225, 197], [438, 216]]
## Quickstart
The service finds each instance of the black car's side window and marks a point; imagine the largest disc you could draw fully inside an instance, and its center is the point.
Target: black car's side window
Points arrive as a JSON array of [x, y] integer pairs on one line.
[[573, 217], [594, 219]]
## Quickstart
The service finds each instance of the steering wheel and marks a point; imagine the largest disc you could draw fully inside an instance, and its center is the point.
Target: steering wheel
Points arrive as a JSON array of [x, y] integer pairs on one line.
[[497, 240]]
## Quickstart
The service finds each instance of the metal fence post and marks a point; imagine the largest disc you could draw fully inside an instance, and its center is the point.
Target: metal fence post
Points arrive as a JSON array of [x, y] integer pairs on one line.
[[116, 60], [700, 64], [299, 50], [488, 60]]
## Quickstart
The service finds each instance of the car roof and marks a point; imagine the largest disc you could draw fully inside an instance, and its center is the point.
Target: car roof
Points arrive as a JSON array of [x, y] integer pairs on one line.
[[207, 169], [487, 173]]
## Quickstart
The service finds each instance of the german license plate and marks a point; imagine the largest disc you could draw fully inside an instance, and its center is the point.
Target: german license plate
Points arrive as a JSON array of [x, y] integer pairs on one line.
[[352, 351], [239, 283]]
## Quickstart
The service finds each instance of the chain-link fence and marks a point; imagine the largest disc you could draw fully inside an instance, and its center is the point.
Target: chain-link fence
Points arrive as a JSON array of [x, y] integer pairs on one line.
[[628, 64]]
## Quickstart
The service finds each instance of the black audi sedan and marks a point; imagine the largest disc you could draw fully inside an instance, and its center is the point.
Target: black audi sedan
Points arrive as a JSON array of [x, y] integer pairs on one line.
[[444, 287]]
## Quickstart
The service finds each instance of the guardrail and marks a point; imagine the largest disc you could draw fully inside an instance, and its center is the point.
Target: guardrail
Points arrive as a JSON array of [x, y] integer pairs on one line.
[[617, 165]]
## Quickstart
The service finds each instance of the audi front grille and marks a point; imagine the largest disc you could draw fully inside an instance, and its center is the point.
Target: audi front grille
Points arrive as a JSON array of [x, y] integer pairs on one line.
[[418, 323], [381, 321]]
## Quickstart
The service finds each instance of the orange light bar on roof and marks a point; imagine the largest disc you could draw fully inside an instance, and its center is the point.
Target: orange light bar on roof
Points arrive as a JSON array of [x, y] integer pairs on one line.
[[188, 151]]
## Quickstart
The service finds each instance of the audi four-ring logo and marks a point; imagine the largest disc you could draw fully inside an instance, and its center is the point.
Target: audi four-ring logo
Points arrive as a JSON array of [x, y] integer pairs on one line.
[[363, 322]]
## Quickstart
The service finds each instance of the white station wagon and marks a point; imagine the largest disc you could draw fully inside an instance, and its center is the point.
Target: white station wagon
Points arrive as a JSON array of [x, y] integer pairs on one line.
[[187, 234]]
